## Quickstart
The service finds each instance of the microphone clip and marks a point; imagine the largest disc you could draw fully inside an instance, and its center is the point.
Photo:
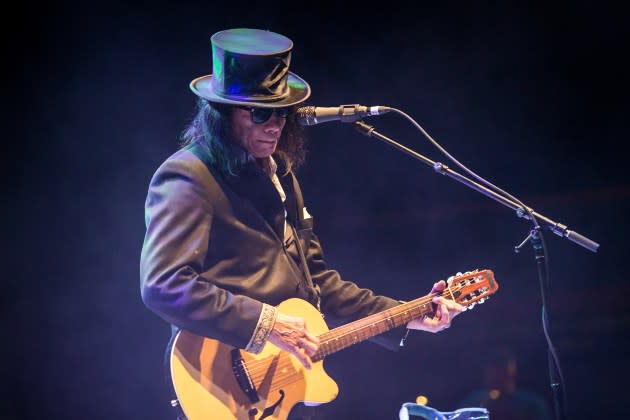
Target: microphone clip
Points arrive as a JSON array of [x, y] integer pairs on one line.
[[353, 112]]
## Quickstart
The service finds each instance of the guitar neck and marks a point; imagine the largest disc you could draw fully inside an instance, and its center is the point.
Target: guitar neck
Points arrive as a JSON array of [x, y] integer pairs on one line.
[[373, 325]]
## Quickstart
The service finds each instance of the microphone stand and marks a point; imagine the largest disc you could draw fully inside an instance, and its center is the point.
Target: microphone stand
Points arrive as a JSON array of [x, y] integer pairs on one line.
[[535, 237]]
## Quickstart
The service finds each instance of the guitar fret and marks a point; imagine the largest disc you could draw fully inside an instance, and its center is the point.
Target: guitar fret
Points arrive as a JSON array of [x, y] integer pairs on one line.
[[371, 326]]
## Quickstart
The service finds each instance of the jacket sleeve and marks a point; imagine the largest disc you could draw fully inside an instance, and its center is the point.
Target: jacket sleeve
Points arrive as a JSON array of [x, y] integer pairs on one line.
[[346, 302], [179, 216]]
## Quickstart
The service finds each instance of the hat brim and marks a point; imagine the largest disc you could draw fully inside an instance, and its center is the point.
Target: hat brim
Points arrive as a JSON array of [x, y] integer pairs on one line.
[[299, 91]]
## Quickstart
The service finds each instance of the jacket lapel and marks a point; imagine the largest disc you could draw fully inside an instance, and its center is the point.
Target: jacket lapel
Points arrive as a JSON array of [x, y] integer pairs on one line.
[[256, 187], [290, 204]]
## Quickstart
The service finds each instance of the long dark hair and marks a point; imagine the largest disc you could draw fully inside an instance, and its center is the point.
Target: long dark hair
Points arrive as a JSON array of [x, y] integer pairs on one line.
[[210, 130]]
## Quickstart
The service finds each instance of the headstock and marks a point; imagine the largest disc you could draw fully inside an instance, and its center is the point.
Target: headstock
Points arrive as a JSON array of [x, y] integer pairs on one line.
[[471, 288]]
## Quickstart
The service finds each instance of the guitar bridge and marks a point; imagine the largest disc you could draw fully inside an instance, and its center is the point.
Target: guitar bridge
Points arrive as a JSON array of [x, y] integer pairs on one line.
[[242, 376]]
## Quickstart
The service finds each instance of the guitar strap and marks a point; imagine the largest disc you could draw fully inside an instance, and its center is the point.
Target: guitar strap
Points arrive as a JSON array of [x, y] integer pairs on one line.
[[303, 231]]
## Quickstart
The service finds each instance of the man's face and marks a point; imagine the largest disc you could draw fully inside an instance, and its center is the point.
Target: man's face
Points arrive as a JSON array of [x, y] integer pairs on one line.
[[260, 140]]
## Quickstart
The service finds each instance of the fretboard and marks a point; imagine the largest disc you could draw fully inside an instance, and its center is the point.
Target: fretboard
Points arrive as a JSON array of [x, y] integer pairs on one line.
[[373, 325]]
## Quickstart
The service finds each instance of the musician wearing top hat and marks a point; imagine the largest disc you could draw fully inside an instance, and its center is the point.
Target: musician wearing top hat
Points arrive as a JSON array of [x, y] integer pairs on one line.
[[229, 237]]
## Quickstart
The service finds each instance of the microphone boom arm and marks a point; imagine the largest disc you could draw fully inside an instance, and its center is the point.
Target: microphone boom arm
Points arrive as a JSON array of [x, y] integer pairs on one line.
[[557, 228]]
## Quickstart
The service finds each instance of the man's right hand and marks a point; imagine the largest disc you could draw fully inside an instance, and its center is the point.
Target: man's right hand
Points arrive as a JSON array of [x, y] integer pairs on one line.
[[290, 334]]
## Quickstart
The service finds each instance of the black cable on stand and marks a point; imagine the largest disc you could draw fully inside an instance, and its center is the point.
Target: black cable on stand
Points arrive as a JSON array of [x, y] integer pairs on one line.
[[556, 379], [535, 237]]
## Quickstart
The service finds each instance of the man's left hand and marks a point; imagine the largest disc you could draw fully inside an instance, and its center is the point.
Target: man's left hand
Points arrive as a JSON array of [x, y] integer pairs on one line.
[[445, 311]]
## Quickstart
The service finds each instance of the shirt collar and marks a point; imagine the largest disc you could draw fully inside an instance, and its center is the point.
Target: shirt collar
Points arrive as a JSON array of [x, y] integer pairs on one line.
[[273, 166]]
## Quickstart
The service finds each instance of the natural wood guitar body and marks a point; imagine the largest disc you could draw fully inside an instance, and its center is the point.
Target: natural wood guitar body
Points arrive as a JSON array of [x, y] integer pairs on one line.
[[207, 388]]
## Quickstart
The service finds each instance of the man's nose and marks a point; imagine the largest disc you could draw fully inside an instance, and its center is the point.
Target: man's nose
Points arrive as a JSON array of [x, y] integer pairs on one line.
[[274, 124]]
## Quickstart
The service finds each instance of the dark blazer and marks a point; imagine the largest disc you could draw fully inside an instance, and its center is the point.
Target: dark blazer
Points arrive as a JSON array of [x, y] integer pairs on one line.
[[214, 252]]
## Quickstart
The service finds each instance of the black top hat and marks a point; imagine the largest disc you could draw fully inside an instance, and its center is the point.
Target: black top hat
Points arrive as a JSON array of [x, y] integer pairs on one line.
[[251, 67]]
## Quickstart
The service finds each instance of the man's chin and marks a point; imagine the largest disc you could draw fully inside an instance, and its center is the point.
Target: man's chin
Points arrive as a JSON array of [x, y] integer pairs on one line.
[[265, 152]]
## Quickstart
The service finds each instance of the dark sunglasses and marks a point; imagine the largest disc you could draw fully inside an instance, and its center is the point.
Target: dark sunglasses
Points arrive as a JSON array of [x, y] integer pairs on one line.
[[262, 115]]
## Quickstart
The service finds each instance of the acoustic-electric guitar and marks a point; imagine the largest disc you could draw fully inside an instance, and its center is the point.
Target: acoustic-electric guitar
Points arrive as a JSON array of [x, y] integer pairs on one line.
[[215, 381]]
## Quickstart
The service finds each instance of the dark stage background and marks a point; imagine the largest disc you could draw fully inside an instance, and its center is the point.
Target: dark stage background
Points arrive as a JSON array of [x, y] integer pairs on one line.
[[531, 97]]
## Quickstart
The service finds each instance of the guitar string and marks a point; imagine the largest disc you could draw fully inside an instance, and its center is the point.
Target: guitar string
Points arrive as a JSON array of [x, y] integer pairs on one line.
[[261, 366], [397, 310], [328, 336], [284, 380], [255, 367]]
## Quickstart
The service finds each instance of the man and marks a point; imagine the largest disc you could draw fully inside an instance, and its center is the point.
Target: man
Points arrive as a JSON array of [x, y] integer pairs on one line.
[[228, 236], [500, 391]]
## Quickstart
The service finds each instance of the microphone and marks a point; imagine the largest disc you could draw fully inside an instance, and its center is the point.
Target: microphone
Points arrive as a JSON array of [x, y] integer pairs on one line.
[[311, 115]]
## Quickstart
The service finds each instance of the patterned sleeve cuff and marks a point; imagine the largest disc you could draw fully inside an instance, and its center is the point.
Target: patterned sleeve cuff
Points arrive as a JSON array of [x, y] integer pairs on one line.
[[265, 324]]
